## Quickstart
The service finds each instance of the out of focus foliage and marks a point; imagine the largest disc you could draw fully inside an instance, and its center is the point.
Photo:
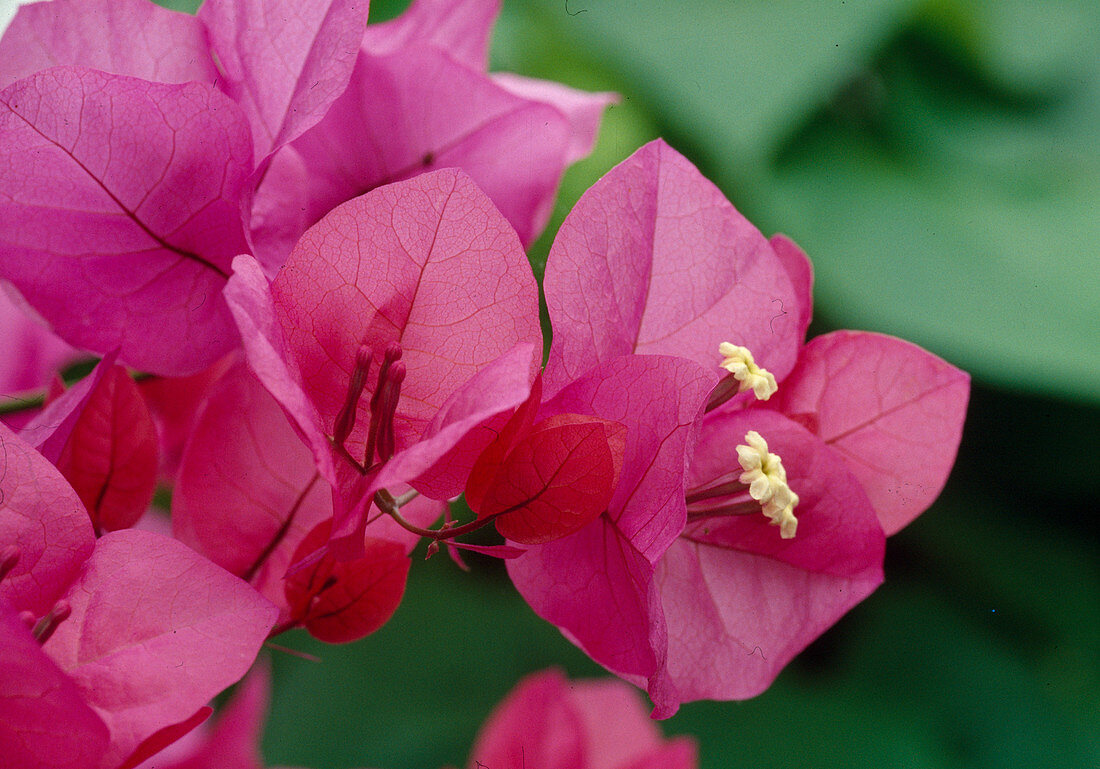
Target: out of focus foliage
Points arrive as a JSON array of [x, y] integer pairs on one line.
[[939, 161]]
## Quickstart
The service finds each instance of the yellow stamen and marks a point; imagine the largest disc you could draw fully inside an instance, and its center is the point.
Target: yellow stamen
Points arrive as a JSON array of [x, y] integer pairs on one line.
[[739, 361], [767, 481], [764, 471], [780, 509]]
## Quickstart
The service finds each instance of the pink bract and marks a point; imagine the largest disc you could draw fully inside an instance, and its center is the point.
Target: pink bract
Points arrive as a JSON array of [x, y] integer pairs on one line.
[[893, 411], [135, 227], [557, 477], [111, 455], [283, 61], [46, 723], [418, 100], [124, 37], [653, 259]]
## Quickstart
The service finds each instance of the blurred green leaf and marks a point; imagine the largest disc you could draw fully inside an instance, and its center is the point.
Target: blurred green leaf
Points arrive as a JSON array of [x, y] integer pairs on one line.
[[736, 73], [959, 221], [937, 160]]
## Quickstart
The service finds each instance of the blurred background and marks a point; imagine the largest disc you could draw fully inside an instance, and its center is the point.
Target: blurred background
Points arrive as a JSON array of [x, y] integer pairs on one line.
[[940, 163]]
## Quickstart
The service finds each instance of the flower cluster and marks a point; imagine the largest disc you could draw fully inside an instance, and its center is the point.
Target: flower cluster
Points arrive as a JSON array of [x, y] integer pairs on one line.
[[308, 236]]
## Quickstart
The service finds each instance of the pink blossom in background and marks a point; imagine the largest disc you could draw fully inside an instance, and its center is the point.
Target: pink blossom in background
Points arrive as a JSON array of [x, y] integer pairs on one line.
[[424, 277], [552, 723], [546, 722], [419, 99], [146, 630], [654, 260]]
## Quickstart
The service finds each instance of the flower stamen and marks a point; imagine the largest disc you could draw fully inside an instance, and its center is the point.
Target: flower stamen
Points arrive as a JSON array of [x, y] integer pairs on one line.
[[766, 479], [739, 361]]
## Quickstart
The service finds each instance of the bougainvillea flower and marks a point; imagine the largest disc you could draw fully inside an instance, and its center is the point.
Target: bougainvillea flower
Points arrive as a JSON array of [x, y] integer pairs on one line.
[[788, 495], [419, 99], [135, 226], [249, 495], [402, 321], [552, 723], [146, 629]]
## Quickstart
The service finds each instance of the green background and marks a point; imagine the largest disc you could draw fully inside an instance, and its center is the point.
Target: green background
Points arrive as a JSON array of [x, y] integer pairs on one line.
[[940, 163]]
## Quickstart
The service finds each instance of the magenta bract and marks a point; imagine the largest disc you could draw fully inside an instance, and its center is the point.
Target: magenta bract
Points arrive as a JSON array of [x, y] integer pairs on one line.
[[419, 100], [124, 37], [137, 227], [653, 259], [283, 62], [46, 723]]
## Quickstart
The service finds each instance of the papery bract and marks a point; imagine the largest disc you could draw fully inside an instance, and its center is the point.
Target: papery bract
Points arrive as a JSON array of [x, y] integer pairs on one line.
[[43, 517], [555, 479], [342, 601], [111, 456], [124, 37], [894, 411], [143, 669], [155, 630], [248, 490], [122, 199], [654, 259], [101, 437], [284, 61]]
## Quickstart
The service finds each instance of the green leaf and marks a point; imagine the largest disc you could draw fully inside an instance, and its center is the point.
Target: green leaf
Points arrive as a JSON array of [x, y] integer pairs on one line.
[[958, 219], [937, 161]]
